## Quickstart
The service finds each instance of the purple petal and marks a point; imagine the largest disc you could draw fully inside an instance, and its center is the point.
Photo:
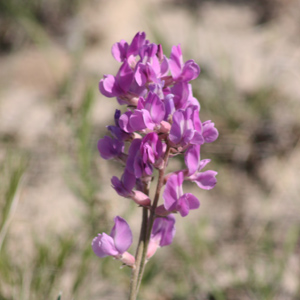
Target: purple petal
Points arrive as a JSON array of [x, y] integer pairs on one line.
[[180, 179], [197, 138], [134, 150], [183, 206], [117, 116], [119, 50], [121, 234], [124, 122], [128, 180], [164, 229], [169, 106], [147, 168], [110, 148], [193, 201], [181, 93], [210, 133], [137, 42], [148, 154], [170, 192], [188, 134], [196, 119], [140, 74], [108, 86], [125, 76], [190, 71], [103, 245], [155, 66], [187, 202], [206, 180], [175, 61], [118, 133], [119, 187], [177, 127], [155, 107], [140, 120], [151, 147], [192, 158], [164, 67]]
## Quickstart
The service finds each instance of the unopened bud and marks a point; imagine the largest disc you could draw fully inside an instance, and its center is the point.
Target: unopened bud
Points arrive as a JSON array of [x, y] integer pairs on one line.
[[127, 259], [140, 198]]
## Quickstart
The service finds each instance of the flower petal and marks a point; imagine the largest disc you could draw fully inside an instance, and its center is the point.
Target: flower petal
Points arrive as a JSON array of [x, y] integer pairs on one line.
[[206, 180], [175, 61], [110, 148], [187, 202], [108, 86], [190, 71], [119, 50], [192, 158], [121, 234], [210, 133], [103, 245], [124, 77], [170, 194]]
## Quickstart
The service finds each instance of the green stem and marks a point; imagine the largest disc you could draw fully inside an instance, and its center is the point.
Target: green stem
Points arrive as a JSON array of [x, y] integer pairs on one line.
[[139, 257], [145, 233], [159, 186]]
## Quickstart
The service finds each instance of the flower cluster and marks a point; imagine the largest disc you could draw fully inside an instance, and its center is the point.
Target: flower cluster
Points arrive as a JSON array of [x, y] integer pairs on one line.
[[161, 121]]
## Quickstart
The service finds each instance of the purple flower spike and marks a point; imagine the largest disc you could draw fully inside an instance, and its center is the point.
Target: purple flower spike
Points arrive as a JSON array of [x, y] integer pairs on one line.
[[162, 234], [110, 148], [175, 199], [161, 121], [116, 244]]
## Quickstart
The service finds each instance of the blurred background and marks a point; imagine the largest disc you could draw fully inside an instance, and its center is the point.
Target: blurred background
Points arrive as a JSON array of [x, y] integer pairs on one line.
[[55, 193]]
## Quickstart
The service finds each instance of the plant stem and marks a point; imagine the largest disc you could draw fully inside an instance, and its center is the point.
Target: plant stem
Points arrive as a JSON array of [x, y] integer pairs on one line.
[[141, 249], [145, 233], [152, 217]]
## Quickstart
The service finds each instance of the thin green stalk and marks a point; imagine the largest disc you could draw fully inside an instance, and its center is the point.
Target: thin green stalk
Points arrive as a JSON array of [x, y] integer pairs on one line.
[[140, 252], [159, 186], [145, 233]]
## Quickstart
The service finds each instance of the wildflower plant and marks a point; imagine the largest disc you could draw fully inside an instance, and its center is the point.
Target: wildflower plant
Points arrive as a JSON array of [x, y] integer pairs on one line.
[[161, 121]]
